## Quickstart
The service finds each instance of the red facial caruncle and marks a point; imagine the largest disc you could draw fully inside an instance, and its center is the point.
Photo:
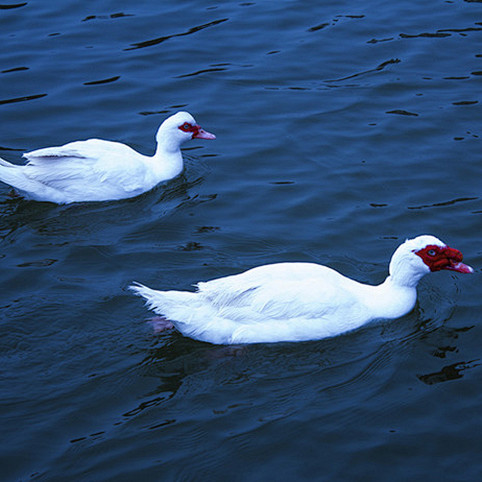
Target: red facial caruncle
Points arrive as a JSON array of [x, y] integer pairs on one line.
[[197, 131], [186, 127], [443, 257]]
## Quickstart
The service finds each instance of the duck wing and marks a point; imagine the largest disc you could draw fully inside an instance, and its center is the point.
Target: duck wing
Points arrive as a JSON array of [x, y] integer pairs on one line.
[[279, 291], [104, 169]]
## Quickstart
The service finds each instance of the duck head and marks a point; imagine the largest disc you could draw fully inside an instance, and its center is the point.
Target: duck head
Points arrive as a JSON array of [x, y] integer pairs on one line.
[[424, 254], [179, 128]]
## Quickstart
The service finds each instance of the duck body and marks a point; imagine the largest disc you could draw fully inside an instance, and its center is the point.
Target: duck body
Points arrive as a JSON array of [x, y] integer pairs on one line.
[[272, 303], [100, 170], [292, 301]]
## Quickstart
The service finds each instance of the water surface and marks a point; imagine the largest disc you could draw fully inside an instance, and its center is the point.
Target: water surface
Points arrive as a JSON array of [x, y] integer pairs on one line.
[[342, 129]]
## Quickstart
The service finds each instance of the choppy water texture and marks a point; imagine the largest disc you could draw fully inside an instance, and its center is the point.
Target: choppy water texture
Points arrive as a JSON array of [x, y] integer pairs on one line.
[[343, 128]]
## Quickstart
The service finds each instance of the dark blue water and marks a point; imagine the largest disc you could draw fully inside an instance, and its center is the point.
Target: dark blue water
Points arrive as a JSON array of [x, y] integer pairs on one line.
[[342, 128]]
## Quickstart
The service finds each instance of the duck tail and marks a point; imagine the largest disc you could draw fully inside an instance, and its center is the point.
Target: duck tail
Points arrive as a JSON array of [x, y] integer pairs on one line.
[[145, 292], [14, 176], [165, 303], [5, 163]]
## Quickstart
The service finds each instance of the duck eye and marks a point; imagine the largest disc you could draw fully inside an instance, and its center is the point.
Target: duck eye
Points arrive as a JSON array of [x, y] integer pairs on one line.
[[431, 252], [186, 126]]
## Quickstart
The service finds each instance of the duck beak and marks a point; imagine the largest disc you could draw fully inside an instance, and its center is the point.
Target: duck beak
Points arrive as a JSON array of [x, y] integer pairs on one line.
[[459, 267], [454, 261], [202, 134]]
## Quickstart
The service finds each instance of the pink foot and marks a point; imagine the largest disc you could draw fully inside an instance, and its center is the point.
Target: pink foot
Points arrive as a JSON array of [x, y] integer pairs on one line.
[[160, 324]]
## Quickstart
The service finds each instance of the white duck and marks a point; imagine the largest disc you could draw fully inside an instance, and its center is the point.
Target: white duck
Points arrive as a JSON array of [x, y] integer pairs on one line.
[[98, 170], [299, 301]]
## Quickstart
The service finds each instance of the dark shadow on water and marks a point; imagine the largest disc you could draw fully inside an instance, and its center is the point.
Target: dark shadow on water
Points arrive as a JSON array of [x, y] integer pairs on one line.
[[448, 372]]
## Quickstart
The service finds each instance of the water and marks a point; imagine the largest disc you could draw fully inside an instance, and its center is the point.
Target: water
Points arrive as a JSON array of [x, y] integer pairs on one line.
[[343, 128]]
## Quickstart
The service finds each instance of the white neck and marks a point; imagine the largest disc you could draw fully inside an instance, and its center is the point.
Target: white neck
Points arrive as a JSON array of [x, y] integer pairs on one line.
[[405, 277], [167, 164], [406, 269], [167, 143], [397, 295], [391, 299], [167, 161]]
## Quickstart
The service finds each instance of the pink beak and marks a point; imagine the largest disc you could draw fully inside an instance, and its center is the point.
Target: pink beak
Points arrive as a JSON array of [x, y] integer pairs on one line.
[[460, 267], [202, 134]]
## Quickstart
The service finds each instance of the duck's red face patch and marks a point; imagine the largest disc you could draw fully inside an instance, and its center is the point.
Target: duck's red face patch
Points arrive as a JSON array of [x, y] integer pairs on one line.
[[443, 257], [186, 127], [196, 131]]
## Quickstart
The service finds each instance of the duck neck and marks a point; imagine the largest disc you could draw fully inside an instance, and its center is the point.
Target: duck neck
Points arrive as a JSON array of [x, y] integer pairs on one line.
[[168, 157], [391, 299], [404, 279], [166, 143], [403, 274]]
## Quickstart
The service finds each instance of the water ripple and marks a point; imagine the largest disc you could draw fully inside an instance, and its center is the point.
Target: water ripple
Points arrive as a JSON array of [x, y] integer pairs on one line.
[[22, 99], [103, 81], [440, 33], [159, 40], [369, 71], [444, 203], [199, 72], [425, 35], [15, 69], [402, 112], [103, 17], [13, 5]]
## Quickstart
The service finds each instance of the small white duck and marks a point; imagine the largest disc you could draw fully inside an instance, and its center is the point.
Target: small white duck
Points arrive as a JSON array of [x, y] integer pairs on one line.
[[299, 301], [98, 170]]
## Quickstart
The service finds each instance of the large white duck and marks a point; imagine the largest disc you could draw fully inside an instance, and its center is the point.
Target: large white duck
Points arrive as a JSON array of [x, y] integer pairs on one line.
[[299, 301], [98, 170]]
